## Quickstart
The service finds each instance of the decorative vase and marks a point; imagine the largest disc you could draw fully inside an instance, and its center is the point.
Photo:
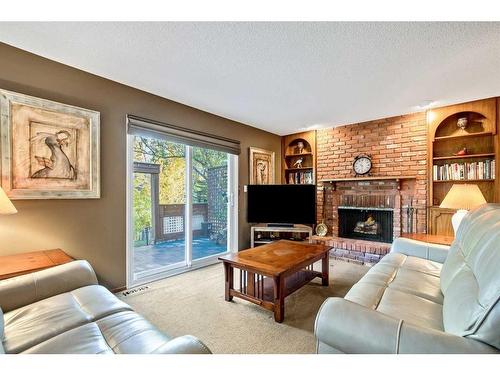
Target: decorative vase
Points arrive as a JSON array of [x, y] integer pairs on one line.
[[462, 123], [300, 147]]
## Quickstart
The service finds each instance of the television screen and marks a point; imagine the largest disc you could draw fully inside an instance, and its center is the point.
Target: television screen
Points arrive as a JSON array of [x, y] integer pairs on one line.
[[287, 204]]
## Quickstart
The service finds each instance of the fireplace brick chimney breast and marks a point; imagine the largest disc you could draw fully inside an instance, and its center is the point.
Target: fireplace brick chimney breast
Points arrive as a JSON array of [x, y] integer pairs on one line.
[[397, 146]]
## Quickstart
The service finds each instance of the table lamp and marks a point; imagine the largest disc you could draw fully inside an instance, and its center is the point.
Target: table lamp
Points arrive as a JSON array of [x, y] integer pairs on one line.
[[6, 206], [462, 197]]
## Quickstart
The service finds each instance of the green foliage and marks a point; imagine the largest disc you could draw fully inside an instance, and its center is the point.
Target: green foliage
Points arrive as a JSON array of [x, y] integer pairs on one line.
[[172, 160], [203, 160], [172, 157], [142, 202]]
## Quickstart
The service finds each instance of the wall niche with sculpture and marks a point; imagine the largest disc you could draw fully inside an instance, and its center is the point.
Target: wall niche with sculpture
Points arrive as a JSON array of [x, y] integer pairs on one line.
[[299, 158]]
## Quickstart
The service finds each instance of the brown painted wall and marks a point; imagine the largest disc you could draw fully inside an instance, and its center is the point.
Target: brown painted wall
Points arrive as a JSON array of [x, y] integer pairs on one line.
[[95, 229]]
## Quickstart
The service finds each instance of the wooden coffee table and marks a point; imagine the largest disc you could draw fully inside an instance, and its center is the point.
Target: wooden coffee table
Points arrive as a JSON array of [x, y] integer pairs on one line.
[[271, 272]]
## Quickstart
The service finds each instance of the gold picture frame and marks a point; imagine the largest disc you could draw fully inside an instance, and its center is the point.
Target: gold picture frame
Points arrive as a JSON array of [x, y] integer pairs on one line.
[[261, 166], [48, 150]]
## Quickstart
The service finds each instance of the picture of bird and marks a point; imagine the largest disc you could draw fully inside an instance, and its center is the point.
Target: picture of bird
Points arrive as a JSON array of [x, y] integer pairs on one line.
[[298, 163], [58, 164]]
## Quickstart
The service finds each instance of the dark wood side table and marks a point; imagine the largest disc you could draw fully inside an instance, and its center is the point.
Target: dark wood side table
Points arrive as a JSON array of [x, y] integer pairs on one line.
[[21, 264], [430, 238]]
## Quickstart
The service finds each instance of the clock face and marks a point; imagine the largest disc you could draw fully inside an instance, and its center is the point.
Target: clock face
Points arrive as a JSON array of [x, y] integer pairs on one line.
[[362, 165]]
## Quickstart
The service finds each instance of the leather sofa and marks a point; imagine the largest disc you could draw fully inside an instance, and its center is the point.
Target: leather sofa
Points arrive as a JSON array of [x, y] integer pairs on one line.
[[423, 298], [64, 310]]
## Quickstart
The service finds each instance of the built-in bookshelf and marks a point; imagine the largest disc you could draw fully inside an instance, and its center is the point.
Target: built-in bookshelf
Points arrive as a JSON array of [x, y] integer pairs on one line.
[[300, 177], [465, 171], [461, 154], [299, 158]]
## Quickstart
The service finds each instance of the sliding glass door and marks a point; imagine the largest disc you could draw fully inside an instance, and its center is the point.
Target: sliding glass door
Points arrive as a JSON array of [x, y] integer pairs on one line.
[[210, 202], [182, 208]]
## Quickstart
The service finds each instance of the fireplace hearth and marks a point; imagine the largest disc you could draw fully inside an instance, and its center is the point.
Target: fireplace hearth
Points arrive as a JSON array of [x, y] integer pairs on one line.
[[372, 224]]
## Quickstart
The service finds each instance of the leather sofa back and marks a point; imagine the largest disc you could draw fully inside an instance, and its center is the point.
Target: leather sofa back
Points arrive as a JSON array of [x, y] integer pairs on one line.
[[470, 278]]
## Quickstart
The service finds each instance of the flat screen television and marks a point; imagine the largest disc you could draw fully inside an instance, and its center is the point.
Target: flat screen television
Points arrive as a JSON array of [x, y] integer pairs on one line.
[[281, 204]]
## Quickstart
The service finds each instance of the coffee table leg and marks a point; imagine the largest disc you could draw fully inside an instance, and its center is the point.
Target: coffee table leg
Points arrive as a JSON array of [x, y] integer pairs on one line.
[[228, 273], [279, 299], [325, 269]]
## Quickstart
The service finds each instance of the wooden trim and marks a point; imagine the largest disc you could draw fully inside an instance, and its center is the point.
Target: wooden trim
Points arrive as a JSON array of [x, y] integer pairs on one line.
[[480, 134], [118, 290], [464, 156], [373, 178]]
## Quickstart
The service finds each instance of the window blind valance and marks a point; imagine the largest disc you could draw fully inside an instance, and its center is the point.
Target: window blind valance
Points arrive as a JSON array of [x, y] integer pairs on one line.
[[150, 128]]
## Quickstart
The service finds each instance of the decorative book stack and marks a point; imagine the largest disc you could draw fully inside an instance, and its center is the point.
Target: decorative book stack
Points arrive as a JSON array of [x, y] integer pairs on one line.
[[305, 177], [481, 170]]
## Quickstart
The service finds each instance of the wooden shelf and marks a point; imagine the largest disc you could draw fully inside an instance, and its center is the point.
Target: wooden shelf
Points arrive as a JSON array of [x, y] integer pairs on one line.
[[444, 139], [374, 178], [298, 169], [464, 156], [290, 153], [303, 154], [454, 181], [479, 134], [398, 179]]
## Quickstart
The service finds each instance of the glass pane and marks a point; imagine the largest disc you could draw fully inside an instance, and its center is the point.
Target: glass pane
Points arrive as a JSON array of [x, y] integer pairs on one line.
[[164, 165], [210, 198], [142, 209]]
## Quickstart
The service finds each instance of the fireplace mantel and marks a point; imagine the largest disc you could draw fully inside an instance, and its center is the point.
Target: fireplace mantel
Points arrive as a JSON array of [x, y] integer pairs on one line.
[[334, 181]]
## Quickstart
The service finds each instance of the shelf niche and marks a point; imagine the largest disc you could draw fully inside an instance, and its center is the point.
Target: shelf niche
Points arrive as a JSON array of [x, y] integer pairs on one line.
[[446, 139], [292, 152]]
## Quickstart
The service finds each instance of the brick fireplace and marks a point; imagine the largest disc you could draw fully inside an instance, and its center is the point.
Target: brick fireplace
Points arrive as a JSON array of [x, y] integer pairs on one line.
[[397, 147]]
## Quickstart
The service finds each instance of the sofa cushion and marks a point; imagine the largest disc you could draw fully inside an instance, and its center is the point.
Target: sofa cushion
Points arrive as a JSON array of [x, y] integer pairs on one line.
[[404, 287], [412, 309], [470, 280], [122, 332], [418, 284], [32, 324]]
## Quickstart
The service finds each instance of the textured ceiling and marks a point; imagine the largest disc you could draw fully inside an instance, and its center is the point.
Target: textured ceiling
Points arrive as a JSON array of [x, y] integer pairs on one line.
[[282, 77]]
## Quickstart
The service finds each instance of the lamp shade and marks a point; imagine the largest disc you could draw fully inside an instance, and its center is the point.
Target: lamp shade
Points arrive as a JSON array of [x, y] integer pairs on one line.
[[6, 206], [463, 197]]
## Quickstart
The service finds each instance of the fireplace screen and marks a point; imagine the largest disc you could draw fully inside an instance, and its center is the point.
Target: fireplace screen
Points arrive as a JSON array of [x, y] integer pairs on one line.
[[372, 225]]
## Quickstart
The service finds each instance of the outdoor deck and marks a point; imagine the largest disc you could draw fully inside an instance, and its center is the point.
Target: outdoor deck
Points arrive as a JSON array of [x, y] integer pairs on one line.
[[170, 252]]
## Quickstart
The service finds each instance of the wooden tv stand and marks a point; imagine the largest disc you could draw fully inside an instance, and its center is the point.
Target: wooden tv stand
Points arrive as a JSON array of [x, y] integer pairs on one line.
[[263, 228]]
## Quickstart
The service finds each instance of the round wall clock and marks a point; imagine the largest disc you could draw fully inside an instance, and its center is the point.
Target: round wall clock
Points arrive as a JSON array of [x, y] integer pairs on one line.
[[362, 164]]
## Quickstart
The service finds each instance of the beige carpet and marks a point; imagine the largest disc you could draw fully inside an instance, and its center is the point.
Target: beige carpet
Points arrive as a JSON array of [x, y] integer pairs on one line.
[[193, 303]]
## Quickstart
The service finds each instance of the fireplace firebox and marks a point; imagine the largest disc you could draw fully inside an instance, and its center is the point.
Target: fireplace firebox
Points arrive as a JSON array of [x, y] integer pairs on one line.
[[367, 224]]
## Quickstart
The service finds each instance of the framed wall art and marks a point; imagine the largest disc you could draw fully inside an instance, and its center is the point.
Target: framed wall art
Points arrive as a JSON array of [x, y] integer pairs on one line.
[[48, 150], [261, 166]]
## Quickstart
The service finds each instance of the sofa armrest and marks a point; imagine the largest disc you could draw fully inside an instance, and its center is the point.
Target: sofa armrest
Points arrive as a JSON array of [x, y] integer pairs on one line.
[[415, 339], [425, 250], [183, 345], [23, 290], [352, 328]]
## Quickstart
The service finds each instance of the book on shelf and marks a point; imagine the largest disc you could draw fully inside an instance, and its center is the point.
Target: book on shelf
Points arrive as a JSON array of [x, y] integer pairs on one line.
[[300, 178], [480, 170]]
